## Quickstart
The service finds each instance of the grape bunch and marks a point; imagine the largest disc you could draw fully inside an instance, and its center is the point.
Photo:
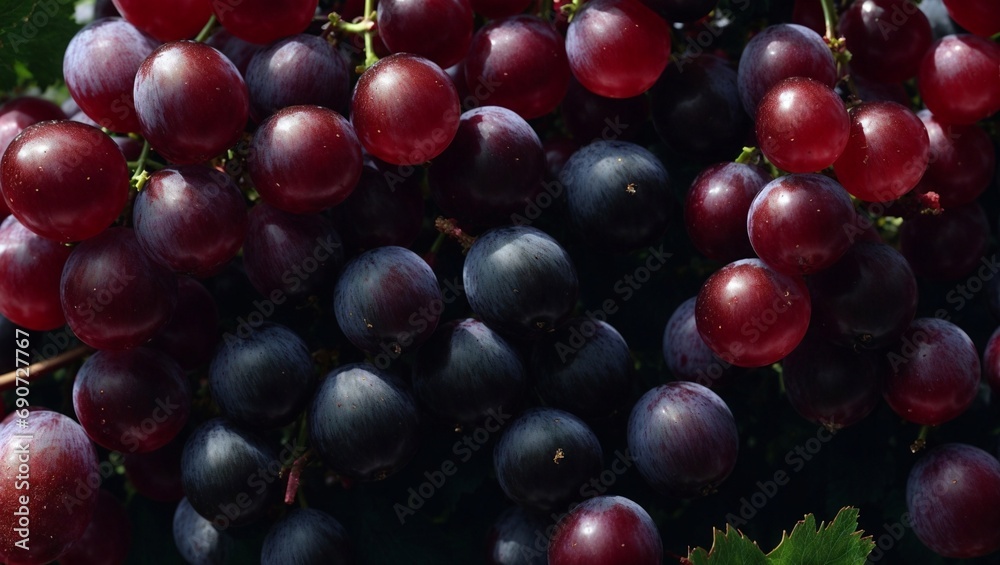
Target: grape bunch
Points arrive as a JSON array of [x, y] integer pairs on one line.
[[504, 281]]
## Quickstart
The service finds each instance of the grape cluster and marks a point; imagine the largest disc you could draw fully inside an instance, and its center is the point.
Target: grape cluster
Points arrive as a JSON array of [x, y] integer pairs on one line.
[[287, 278]]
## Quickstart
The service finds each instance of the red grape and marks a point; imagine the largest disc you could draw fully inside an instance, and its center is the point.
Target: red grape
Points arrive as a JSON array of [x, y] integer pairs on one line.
[[958, 79], [962, 160], [802, 126], [946, 246], [438, 30], [886, 38], [264, 21], [606, 529], [167, 21], [30, 269], [617, 48], [405, 110], [981, 17], [716, 207]]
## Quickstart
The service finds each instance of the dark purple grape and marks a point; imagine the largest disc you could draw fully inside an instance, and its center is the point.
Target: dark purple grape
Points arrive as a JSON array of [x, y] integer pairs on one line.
[[831, 385], [778, 52], [583, 367], [683, 439], [306, 536], [886, 38], [262, 380], [491, 171], [518, 537], [68, 198], [590, 117], [387, 300], [606, 529], [157, 474], [104, 279], [298, 70], [716, 208], [191, 219], [363, 423], [618, 195], [519, 63], [191, 101], [230, 475], [687, 355], [520, 281], [934, 373], [697, 110], [962, 161], [544, 457], [867, 299], [197, 540], [383, 209], [305, 159], [192, 332], [558, 150], [99, 67], [60, 455], [238, 51], [106, 540], [288, 255], [991, 361], [798, 224], [953, 500], [30, 269], [946, 246], [131, 401], [439, 30], [467, 372]]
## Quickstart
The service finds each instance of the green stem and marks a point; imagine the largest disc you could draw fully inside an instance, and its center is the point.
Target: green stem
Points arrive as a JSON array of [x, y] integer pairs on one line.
[[207, 30], [366, 27], [921, 440], [545, 10], [748, 155], [830, 17], [571, 9], [140, 176], [436, 246]]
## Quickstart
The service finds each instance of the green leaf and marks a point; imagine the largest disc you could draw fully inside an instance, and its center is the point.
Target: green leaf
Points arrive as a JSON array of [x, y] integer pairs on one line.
[[33, 38], [730, 548], [839, 543]]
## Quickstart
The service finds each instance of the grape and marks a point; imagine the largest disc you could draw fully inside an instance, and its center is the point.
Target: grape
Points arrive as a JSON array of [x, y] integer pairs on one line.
[[683, 439], [514, 538], [953, 500], [363, 423], [590, 117], [686, 11], [867, 299], [751, 315], [781, 51], [697, 110], [716, 208], [981, 17], [467, 372], [809, 14], [190, 335], [617, 48], [934, 373], [946, 246], [544, 457], [103, 90], [191, 101], [167, 21], [687, 355], [28, 110], [991, 361], [832, 385], [962, 160], [104, 279], [228, 474], [383, 209], [558, 150], [583, 367], [386, 300], [64, 180], [197, 540], [800, 224], [235, 49], [307, 537], [299, 70], [157, 474], [618, 195], [886, 38], [290, 256], [606, 529], [190, 219], [262, 380], [519, 281], [405, 110], [492, 170], [495, 9], [304, 159], [264, 21], [438, 30], [871, 91], [30, 269], [886, 154], [958, 79], [145, 390], [519, 63], [106, 540], [59, 455], [802, 125]]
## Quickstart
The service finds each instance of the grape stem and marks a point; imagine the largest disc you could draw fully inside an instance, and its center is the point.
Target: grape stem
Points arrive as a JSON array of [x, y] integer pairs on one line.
[[294, 476], [830, 18], [921, 440], [366, 26], [8, 381], [450, 228], [571, 9], [140, 176], [207, 30], [748, 155]]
